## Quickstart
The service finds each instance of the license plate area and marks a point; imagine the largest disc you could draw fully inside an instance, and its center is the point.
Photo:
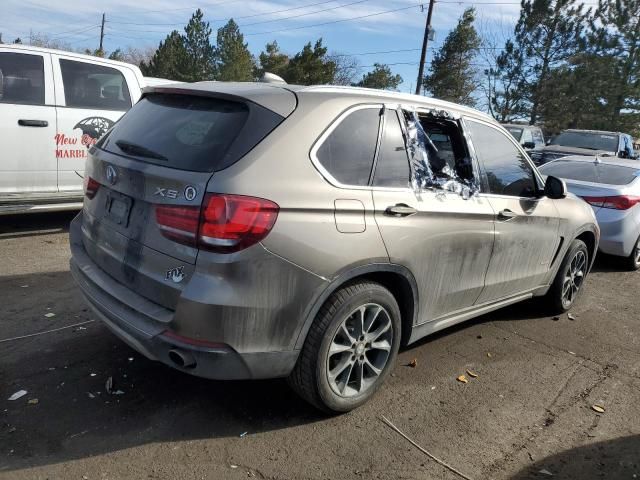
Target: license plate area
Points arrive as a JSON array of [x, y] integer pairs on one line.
[[118, 208]]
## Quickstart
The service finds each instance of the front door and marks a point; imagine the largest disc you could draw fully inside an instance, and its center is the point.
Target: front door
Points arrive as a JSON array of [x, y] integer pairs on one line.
[[443, 238], [92, 98], [27, 123], [526, 223]]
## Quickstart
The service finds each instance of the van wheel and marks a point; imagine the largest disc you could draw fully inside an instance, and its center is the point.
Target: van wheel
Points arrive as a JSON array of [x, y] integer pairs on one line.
[[350, 348], [632, 262], [570, 279]]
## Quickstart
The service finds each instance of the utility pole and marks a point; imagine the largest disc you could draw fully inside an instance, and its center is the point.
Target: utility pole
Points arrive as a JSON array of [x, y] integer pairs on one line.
[[427, 32], [101, 33]]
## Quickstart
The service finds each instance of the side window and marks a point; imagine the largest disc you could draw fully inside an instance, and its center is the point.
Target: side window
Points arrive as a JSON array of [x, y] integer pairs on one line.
[[87, 85], [347, 153], [526, 136], [22, 78], [506, 170], [392, 168], [537, 137]]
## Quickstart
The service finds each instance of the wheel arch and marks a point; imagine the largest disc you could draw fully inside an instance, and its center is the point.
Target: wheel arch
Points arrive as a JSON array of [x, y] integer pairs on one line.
[[396, 278]]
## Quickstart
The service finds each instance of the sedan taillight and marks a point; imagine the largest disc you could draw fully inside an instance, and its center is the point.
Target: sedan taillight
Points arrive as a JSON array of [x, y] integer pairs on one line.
[[224, 223], [619, 202]]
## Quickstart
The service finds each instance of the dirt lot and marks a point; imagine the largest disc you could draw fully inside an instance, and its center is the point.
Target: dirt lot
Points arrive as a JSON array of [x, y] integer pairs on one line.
[[527, 415]]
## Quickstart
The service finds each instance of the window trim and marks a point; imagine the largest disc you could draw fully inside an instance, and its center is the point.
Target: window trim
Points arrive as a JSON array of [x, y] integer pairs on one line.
[[485, 187], [313, 154], [62, 100]]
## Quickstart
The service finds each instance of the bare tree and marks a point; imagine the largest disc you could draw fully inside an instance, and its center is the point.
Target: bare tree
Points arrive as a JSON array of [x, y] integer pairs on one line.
[[348, 68]]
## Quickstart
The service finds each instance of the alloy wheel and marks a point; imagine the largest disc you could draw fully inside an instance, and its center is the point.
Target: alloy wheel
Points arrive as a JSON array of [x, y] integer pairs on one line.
[[574, 278], [359, 350], [636, 253]]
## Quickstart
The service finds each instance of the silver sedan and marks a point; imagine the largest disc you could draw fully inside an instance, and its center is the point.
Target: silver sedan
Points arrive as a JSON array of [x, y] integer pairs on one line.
[[612, 188]]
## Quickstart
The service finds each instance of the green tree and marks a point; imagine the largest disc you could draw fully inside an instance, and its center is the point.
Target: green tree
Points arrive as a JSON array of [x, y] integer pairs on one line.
[[272, 60], [168, 61], [199, 61], [380, 77], [17, 40], [311, 66], [548, 34], [234, 62], [452, 75], [506, 84], [615, 35], [117, 54]]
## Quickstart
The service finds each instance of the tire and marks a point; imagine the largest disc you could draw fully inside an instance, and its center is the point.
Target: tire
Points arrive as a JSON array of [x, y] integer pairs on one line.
[[317, 376], [632, 262], [557, 300]]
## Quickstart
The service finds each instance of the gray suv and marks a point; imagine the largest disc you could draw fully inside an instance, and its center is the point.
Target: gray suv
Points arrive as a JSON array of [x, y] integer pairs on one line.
[[252, 230]]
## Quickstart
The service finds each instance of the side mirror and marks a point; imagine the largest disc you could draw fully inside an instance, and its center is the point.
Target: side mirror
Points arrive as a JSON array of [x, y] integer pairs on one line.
[[555, 188], [529, 145]]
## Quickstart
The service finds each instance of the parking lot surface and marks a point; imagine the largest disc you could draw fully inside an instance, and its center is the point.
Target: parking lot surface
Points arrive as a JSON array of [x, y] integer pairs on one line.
[[528, 413]]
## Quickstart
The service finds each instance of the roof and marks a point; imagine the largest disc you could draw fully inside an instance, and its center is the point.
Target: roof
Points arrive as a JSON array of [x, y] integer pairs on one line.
[[519, 125], [591, 131], [81, 56]]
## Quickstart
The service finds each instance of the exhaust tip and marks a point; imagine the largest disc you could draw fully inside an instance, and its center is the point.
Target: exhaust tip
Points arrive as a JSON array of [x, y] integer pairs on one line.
[[182, 359]]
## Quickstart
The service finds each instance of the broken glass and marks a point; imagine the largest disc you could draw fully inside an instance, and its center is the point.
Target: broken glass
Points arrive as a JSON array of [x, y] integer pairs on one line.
[[429, 171]]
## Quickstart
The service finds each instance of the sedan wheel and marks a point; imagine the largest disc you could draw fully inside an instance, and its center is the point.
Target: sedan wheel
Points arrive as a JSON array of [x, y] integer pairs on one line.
[[633, 261]]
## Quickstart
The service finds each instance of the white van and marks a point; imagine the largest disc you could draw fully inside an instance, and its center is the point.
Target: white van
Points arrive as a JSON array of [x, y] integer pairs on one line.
[[54, 106]]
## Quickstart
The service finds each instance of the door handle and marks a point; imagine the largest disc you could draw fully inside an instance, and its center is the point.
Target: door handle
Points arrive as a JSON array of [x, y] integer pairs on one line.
[[400, 210], [506, 214], [33, 123]]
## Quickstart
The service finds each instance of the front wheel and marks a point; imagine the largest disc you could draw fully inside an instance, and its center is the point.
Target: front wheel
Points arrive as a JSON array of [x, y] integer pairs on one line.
[[350, 348], [570, 278]]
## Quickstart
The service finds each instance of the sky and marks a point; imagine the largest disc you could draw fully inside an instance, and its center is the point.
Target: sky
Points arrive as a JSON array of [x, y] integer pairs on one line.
[[371, 30]]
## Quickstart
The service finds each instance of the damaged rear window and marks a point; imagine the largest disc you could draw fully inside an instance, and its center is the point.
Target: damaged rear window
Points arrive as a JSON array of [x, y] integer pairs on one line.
[[591, 172], [201, 134]]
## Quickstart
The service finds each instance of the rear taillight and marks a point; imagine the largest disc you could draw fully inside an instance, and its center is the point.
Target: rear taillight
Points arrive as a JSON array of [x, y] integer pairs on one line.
[[620, 202], [91, 187], [224, 223]]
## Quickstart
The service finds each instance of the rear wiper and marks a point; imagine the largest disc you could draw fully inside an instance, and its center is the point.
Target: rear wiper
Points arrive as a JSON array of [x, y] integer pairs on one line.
[[139, 150]]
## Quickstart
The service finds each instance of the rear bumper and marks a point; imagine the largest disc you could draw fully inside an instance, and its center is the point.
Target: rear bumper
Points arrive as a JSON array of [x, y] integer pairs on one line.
[[141, 324], [619, 232]]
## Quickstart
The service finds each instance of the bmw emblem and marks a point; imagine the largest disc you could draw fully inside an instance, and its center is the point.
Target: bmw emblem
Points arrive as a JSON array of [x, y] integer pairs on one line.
[[111, 174], [190, 193]]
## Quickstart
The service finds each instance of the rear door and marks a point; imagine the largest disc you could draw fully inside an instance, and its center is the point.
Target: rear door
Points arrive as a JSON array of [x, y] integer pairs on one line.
[[91, 97], [526, 223], [444, 239], [27, 123]]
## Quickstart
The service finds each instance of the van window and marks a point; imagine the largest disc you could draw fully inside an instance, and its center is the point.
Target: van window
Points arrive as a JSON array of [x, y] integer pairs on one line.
[[392, 167], [347, 153], [22, 78], [87, 85]]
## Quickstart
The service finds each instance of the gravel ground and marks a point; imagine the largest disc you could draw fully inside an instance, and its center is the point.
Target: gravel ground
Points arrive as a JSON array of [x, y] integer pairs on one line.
[[528, 414]]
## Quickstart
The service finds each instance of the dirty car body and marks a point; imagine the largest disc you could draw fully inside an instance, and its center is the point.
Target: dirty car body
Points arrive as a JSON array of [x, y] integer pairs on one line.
[[246, 230]]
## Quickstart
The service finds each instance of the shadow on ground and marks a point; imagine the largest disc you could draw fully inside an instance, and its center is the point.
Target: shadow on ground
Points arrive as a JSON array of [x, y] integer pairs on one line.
[[612, 460], [13, 226]]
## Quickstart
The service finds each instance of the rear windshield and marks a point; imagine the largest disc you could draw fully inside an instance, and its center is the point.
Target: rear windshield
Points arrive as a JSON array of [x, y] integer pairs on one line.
[[515, 132], [193, 133], [591, 172], [588, 140]]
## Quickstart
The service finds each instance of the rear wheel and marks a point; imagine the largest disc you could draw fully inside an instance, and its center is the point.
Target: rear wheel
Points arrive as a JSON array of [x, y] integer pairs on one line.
[[632, 262], [350, 348], [570, 278]]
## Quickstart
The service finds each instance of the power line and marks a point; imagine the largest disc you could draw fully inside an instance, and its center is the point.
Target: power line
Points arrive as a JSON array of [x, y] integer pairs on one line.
[[333, 21]]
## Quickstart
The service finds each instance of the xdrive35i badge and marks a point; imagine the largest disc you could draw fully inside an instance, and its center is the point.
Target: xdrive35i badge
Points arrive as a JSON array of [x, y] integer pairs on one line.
[[112, 174]]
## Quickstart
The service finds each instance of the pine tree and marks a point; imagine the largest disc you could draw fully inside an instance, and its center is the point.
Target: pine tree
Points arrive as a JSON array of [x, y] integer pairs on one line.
[[199, 61], [507, 100], [380, 77], [452, 74], [168, 61], [272, 61], [234, 62], [311, 66]]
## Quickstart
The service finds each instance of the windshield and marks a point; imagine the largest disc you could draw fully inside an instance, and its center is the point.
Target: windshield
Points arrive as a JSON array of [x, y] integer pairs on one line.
[[515, 131], [588, 140], [591, 172]]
